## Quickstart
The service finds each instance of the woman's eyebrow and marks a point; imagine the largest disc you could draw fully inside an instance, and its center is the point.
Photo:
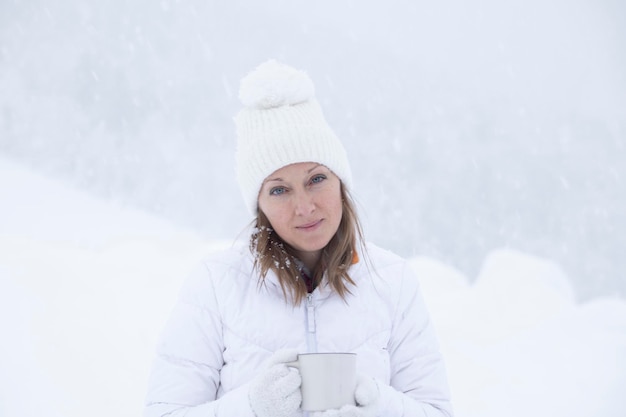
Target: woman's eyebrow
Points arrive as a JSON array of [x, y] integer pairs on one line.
[[308, 172], [318, 165], [280, 179]]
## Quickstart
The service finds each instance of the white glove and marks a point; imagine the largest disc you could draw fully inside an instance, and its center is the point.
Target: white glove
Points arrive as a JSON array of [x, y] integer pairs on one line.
[[276, 391], [366, 395]]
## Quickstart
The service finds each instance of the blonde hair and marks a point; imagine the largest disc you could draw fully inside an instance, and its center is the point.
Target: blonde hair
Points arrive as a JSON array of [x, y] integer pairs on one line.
[[272, 253]]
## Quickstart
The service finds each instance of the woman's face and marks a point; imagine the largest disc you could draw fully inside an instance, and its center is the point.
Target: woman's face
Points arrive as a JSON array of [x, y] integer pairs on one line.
[[303, 204]]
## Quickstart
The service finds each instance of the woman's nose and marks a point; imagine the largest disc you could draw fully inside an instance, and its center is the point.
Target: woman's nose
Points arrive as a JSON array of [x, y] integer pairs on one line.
[[304, 204]]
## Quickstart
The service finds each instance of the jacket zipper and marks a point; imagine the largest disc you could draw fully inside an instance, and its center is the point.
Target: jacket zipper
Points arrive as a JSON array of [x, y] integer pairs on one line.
[[311, 340]]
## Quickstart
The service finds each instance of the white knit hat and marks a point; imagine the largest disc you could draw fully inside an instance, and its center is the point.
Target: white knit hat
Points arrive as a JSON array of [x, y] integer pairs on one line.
[[282, 124]]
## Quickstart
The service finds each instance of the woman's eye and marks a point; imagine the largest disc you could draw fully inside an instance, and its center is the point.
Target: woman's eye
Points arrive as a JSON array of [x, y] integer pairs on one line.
[[277, 191], [318, 178]]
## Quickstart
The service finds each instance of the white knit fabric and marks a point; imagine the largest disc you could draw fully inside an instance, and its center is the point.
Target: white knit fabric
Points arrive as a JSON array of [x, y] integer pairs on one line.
[[275, 392], [282, 124]]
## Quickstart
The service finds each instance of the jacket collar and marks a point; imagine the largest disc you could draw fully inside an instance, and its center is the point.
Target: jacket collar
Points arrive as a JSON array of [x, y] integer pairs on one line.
[[322, 291]]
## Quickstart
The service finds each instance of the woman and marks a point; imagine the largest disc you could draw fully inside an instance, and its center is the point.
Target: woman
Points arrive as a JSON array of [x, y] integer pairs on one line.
[[306, 283]]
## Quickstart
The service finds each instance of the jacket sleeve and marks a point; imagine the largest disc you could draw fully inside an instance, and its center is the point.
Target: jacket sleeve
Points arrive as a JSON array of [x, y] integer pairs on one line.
[[185, 375], [419, 384]]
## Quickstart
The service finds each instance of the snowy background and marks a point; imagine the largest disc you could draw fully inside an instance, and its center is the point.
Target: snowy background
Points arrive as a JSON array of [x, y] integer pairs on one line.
[[488, 143], [86, 285]]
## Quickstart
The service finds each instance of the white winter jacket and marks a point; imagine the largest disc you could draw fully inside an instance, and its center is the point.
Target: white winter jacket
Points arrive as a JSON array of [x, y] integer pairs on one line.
[[225, 326]]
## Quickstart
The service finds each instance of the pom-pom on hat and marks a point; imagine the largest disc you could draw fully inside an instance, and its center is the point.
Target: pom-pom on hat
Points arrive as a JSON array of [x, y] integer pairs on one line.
[[282, 124]]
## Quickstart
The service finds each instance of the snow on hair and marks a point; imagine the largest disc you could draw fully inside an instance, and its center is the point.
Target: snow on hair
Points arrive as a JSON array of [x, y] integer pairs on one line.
[[273, 84]]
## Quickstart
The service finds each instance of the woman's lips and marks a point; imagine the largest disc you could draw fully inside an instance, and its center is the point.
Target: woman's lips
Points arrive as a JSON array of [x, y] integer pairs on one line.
[[309, 226]]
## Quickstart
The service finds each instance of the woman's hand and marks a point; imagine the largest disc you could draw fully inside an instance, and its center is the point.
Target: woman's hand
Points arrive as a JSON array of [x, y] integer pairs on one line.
[[276, 391]]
